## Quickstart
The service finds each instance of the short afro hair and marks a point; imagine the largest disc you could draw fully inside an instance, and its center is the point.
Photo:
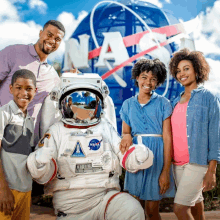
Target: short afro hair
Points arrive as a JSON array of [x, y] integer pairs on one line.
[[25, 74], [200, 65], [55, 23], [157, 67]]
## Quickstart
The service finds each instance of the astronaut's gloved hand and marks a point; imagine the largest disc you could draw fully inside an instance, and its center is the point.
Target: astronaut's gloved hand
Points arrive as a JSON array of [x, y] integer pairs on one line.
[[44, 155], [141, 153]]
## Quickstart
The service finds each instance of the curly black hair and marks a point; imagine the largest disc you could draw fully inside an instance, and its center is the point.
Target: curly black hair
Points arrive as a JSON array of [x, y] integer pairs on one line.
[[200, 65], [156, 66]]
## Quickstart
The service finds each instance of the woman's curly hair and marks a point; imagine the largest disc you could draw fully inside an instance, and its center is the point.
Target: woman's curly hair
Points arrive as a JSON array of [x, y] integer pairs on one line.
[[156, 66], [200, 65]]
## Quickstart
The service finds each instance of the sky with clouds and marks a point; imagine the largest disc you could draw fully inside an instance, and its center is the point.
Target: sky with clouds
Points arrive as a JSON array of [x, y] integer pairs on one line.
[[21, 21]]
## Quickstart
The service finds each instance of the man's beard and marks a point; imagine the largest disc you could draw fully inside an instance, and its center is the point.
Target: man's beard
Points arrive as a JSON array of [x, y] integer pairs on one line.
[[45, 51]]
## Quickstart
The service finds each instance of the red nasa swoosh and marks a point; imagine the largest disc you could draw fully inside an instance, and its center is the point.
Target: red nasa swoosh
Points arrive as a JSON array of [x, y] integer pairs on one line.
[[131, 59], [131, 40]]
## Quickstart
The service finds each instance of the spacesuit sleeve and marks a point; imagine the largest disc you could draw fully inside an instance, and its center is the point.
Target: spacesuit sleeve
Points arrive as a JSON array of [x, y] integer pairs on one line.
[[50, 115], [110, 111], [42, 174], [113, 137]]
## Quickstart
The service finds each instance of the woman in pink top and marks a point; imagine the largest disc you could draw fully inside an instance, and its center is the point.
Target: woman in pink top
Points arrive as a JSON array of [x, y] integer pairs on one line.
[[195, 128], [180, 146]]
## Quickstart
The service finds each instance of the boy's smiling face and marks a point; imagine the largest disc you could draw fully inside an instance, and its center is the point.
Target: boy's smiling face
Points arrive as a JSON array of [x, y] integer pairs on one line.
[[23, 91]]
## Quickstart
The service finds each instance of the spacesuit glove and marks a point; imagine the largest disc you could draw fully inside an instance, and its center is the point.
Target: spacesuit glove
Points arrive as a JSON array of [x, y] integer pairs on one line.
[[44, 155], [141, 153]]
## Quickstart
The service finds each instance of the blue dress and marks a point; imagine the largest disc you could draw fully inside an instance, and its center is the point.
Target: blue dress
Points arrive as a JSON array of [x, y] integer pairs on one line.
[[148, 120]]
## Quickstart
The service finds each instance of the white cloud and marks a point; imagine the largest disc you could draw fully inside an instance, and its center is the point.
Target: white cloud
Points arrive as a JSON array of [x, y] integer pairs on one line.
[[207, 35], [8, 11], [206, 46], [18, 33], [214, 78], [158, 3], [14, 31], [211, 21], [20, 1], [207, 40], [38, 4], [70, 23]]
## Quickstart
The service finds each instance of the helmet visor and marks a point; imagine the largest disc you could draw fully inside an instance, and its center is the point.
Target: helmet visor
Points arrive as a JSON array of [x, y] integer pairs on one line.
[[81, 108]]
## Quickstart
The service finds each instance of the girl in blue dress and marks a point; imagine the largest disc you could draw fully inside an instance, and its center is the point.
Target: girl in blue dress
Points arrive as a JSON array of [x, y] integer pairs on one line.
[[148, 115]]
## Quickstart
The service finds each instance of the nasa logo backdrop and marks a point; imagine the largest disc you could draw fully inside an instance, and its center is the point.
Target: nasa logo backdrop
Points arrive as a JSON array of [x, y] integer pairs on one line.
[[104, 42]]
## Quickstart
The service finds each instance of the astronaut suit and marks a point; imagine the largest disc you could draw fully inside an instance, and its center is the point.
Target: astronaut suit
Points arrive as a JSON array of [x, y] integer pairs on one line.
[[79, 160]]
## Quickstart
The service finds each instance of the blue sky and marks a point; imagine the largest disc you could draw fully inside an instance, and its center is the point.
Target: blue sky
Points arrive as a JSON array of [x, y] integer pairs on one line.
[[26, 17], [40, 13], [21, 21]]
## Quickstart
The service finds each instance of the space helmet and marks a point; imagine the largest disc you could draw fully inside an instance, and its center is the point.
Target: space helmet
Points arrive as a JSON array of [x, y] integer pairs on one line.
[[81, 99]]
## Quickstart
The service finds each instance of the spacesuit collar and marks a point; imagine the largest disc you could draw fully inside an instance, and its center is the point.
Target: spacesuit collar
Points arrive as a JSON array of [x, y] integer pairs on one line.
[[79, 127]]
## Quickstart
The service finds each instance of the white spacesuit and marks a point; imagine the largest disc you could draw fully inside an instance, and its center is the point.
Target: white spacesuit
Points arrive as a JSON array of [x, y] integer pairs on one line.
[[79, 160]]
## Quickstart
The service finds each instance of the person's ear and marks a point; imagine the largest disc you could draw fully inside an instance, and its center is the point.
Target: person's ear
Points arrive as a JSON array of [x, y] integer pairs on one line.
[[40, 33], [10, 88]]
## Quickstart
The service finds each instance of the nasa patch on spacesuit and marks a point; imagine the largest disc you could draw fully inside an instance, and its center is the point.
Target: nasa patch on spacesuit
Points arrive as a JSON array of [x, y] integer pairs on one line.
[[84, 145], [87, 154], [94, 144]]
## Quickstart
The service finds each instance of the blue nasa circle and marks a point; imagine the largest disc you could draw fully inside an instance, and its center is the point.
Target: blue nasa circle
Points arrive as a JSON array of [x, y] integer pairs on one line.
[[111, 17], [94, 144]]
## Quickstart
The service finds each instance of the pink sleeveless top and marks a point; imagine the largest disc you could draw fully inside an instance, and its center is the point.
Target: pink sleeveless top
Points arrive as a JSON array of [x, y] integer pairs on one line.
[[180, 145]]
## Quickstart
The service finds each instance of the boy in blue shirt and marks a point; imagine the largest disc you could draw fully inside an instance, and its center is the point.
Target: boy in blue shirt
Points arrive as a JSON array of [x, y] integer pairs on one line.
[[16, 140]]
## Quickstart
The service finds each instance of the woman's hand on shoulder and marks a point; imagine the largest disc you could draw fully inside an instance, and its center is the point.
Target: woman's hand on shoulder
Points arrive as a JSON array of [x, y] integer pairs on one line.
[[126, 142], [164, 181]]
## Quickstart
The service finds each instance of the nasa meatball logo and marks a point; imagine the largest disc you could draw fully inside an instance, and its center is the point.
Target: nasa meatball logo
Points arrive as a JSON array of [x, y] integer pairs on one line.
[[95, 144]]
